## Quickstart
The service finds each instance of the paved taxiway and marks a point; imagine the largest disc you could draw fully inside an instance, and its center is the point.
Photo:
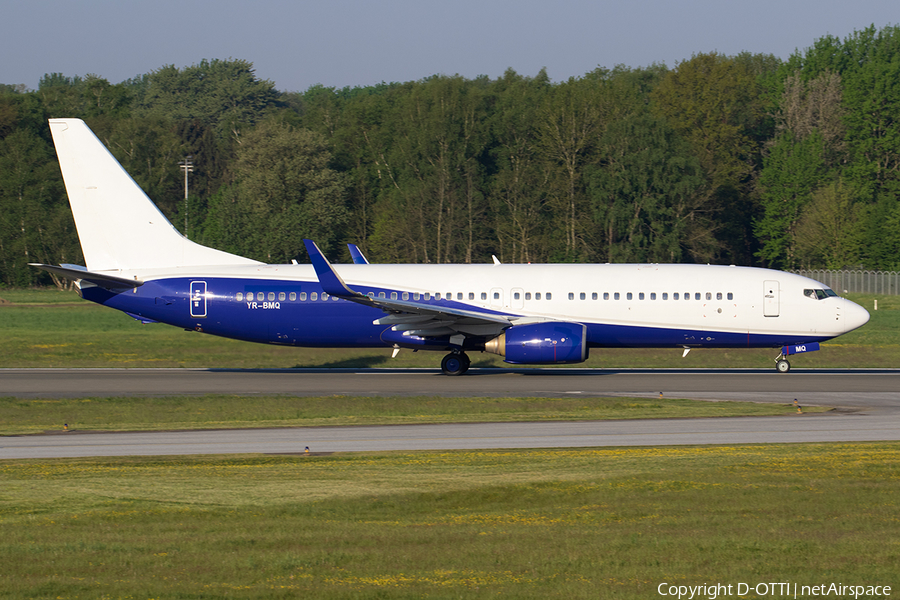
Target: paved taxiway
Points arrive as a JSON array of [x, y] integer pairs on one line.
[[870, 403]]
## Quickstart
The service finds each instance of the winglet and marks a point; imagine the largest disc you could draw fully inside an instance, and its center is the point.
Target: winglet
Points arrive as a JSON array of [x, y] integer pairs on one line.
[[331, 282], [358, 258]]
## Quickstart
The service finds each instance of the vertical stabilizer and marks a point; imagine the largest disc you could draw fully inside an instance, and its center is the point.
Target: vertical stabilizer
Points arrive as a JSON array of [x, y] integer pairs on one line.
[[119, 226]]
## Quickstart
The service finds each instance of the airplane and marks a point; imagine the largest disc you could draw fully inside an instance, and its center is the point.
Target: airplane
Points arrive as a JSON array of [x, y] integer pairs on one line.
[[541, 314]]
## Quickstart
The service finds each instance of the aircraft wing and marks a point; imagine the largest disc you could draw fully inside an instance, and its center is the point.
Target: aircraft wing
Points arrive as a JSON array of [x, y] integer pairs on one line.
[[424, 320], [109, 282]]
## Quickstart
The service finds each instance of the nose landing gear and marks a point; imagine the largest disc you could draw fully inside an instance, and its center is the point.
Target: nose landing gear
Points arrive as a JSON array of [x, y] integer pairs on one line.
[[455, 363], [782, 365]]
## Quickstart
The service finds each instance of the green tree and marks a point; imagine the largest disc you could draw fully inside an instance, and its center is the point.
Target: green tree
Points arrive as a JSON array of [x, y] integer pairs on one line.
[[643, 191], [225, 94], [35, 222], [519, 182], [716, 103], [868, 64], [284, 191], [83, 97], [149, 149], [569, 122], [828, 234], [435, 207], [791, 172]]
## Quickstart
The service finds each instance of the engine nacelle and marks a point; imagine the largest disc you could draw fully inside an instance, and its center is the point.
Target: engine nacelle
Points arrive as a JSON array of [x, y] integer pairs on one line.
[[541, 343]]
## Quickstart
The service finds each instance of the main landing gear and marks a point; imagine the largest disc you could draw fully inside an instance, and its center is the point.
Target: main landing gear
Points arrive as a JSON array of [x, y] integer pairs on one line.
[[455, 363]]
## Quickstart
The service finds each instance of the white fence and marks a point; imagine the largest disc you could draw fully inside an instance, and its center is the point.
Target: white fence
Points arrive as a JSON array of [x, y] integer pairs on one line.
[[886, 283]]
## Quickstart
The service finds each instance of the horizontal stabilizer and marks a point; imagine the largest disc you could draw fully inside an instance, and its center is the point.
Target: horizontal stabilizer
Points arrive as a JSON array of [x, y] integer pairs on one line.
[[74, 272]]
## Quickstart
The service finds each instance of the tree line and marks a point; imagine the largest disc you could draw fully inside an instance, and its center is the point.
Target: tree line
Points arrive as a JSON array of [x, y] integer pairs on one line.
[[745, 159]]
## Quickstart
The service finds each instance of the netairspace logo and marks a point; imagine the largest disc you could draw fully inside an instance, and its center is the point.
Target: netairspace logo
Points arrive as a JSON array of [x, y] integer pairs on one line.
[[774, 590]]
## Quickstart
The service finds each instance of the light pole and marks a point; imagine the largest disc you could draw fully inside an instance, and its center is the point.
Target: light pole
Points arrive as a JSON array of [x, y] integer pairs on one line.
[[187, 166]]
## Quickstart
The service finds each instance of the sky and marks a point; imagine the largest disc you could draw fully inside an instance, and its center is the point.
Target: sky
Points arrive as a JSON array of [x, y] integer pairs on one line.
[[337, 43]]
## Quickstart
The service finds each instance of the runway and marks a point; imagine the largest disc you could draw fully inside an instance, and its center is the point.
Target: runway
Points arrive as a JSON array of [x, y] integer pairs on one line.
[[869, 403]]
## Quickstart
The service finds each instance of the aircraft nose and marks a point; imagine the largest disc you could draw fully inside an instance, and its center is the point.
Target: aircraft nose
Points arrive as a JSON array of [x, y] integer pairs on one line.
[[854, 316]]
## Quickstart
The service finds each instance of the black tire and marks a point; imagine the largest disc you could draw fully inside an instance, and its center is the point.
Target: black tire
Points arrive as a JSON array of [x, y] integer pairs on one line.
[[782, 366], [466, 361], [455, 364]]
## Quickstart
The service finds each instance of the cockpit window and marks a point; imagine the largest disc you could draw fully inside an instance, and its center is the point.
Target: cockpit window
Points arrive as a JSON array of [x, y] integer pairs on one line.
[[819, 294]]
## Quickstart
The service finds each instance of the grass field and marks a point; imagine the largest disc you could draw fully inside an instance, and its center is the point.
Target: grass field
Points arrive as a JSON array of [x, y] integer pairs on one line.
[[608, 523], [581, 523], [49, 328], [27, 416]]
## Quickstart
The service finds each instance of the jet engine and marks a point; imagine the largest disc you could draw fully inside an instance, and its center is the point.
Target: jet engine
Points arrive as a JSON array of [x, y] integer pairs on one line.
[[541, 343]]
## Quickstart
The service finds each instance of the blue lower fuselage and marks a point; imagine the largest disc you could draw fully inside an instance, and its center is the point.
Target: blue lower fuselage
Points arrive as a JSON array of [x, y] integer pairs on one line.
[[285, 312]]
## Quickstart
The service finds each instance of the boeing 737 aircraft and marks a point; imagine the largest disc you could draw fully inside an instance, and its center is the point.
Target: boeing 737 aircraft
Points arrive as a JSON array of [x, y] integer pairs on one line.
[[137, 262]]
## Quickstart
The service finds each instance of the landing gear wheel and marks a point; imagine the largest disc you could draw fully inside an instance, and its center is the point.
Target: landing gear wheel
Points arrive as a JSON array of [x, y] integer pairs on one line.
[[455, 363], [782, 366]]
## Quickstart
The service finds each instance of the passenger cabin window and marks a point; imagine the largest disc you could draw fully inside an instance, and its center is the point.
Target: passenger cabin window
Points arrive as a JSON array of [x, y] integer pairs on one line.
[[629, 296], [528, 295], [582, 295], [239, 296], [571, 295], [537, 295], [606, 295], [303, 296], [484, 295], [293, 296], [549, 296]]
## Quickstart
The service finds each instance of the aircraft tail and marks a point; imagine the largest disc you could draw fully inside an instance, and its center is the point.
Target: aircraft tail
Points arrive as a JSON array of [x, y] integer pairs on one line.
[[119, 226]]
